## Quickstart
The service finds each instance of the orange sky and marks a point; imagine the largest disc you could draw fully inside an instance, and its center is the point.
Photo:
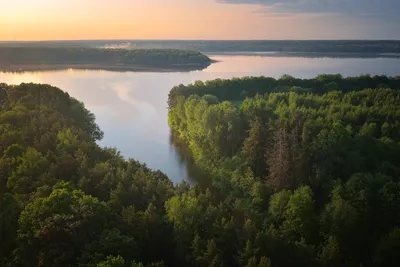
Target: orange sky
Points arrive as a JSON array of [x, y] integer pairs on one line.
[[161, 19]]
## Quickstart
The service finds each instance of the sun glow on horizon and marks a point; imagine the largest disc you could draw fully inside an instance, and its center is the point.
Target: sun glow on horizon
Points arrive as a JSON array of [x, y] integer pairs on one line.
[[159, 19]]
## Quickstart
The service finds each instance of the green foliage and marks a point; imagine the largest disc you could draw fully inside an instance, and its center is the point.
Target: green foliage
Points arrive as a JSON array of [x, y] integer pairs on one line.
[[299, 214], [51, 228], [240, 88], [9, 213], [314, 169], [113, 262], [254, 148], [71, 192], [387, 250], [32, 164], [299, 178], [119, 261], [278, 205], [211, 99]]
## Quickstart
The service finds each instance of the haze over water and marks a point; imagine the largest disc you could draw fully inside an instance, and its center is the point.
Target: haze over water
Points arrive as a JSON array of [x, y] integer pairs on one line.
[[131, 107]]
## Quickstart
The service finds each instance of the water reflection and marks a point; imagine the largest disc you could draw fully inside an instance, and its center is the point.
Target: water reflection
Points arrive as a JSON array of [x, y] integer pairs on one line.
[[131, 107], [303, 67], [195, 174]]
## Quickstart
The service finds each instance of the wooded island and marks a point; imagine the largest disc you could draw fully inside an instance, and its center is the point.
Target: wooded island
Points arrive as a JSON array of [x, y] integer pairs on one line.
[[14, 58]]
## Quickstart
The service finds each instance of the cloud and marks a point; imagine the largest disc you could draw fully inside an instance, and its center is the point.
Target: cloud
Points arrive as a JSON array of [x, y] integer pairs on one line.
[[148, 118], [387, 9]]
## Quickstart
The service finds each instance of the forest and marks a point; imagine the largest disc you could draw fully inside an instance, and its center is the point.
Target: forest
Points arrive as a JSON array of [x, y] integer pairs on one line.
[[304, 173], [237, 89], [14, 58], [311, 166]]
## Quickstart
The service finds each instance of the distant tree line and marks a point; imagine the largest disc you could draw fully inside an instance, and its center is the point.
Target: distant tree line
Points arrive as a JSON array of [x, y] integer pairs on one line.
[[160, 58], [241, 88], [304, 46]]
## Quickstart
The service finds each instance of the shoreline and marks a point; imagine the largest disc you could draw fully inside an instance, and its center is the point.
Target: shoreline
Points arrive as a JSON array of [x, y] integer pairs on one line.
[[110, 67], [304, 54]]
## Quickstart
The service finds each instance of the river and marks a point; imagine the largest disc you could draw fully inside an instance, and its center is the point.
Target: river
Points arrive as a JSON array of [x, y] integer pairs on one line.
[[131, 107]]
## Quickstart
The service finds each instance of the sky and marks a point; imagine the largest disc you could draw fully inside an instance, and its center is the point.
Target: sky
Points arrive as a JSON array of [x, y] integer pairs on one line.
[[199, 19]]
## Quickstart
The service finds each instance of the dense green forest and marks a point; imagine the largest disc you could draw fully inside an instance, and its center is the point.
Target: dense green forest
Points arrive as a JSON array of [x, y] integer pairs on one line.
[[64, 201], [15, 57], [237, 89], [308, 167], [301, 177]]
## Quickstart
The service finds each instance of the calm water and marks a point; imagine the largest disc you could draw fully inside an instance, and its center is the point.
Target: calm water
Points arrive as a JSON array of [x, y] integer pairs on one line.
[[131, 107]]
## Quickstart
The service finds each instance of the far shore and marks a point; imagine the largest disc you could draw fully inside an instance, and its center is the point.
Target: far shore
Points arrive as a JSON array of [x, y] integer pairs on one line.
[[304, 54], [111, 67]]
